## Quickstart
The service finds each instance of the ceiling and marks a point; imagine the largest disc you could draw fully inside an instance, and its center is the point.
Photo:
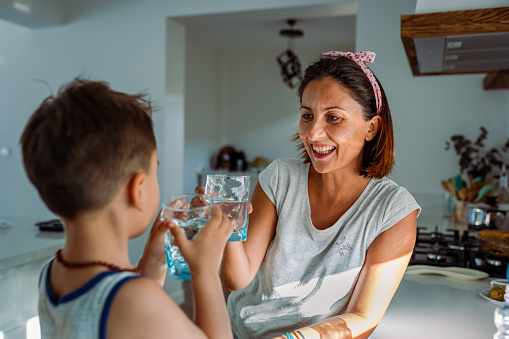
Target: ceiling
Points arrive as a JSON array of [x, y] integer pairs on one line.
[[323, 25]]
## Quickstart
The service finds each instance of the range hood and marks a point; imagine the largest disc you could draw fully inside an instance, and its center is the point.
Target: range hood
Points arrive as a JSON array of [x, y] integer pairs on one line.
[[459, 42]]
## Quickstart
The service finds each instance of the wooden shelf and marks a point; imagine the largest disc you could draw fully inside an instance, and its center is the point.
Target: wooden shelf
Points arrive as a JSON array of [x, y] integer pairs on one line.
[[444, 24]]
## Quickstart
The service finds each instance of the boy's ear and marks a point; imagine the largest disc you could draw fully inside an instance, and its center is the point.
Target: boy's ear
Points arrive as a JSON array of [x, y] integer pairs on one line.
[[136, 190]]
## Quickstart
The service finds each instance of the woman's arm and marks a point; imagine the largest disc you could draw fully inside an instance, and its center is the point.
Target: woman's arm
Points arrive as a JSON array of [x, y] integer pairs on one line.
[[241, 260], [379, 278]]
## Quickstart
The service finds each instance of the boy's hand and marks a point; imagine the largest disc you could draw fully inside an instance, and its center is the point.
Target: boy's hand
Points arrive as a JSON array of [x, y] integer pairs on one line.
[[203, 254], [153, 261]]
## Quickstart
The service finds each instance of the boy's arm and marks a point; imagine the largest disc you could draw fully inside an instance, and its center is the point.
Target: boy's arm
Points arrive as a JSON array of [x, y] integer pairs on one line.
[[203, 255], [142, 309]]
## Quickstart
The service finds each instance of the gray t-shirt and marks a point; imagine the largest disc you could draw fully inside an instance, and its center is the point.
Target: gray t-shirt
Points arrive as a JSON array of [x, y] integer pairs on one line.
[[307, 274]]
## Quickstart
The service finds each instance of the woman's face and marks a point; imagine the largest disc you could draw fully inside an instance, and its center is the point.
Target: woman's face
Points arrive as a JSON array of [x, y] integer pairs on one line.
[[332, 126]]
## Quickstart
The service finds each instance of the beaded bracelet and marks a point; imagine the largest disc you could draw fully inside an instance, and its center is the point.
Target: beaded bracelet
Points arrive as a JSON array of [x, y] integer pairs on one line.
[[290, 336], [300, 333]]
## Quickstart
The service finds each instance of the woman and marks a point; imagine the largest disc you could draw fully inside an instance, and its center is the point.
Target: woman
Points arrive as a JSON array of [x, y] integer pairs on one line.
[[329, 237]]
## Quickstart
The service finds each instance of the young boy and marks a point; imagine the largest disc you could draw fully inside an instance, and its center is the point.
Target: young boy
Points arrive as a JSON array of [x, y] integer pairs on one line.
[[91, 154]]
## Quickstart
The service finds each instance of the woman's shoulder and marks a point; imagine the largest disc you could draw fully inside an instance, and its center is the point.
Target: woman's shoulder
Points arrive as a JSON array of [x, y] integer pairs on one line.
[[289, 164], [388, 188]]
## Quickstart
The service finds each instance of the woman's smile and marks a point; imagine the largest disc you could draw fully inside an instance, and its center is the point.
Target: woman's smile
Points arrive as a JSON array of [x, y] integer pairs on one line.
[[322, 151]]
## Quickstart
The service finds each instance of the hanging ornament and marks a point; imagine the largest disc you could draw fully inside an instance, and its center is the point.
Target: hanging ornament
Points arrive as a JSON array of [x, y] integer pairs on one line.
[[288, 61]]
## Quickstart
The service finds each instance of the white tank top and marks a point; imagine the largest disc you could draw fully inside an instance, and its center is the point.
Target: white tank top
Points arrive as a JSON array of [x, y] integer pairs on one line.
[[83, 313]]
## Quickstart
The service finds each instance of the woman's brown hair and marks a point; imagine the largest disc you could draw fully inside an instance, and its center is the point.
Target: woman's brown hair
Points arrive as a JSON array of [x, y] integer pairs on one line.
[[377, 157]]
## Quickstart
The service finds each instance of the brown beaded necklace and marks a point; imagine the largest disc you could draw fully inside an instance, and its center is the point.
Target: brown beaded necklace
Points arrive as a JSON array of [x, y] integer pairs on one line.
[[112, 267]]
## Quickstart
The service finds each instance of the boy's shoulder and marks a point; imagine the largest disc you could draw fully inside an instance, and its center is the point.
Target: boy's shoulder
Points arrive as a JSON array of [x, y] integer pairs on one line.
[[142, 307]]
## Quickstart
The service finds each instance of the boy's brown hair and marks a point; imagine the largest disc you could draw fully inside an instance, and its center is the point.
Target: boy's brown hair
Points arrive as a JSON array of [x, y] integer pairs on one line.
[[377, 157], [80, 146]]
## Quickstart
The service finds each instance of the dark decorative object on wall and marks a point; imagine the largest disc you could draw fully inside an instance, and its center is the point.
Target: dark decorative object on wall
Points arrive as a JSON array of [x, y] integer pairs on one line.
[[288, 61]]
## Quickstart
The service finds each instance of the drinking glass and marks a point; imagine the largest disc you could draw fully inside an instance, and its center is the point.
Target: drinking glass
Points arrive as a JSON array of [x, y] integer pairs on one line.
[[190, 212], [231, 193]]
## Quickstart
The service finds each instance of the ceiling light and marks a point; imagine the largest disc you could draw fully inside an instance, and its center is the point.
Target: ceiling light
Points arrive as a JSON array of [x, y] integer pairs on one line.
[[21, 7]]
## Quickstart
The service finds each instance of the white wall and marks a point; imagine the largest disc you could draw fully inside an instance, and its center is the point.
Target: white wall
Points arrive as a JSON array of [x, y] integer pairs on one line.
[[256, 111], [426, 111], [123, 42], [260, 114], [203, 110]]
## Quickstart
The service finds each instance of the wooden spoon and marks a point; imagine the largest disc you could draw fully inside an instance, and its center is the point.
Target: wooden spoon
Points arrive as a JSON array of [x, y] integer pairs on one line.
[[463, 194]]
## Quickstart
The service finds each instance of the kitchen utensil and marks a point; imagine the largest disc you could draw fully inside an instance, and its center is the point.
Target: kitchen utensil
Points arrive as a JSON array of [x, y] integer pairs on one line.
[[484, 216], [458, 273], [463, 194], [452, 189], [483, 191], [458, 182], [474, 189]]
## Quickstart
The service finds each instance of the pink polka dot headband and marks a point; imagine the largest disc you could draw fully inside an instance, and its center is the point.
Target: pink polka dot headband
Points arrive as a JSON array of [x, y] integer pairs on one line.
[[361, 59]]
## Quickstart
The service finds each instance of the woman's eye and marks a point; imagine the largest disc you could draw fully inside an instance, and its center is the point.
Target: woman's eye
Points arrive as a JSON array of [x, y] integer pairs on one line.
[[306, 116], [333, 118]]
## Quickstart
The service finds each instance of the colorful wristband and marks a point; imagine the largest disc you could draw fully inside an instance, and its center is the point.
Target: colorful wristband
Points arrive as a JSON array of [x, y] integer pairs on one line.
[[289, 336]]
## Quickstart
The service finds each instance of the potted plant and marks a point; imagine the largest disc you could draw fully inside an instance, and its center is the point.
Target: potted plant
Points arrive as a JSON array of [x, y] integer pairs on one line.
[[477, 164], [474, 160]]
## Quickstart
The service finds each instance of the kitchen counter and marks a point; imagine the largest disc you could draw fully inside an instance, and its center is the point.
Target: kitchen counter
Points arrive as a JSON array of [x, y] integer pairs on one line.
[[433, 306], [23, 251], [23, 243]]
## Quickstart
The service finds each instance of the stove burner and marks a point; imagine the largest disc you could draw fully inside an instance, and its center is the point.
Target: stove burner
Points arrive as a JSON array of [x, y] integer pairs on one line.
[[479, 262], [436, 257], [455, 247], [494, 262]]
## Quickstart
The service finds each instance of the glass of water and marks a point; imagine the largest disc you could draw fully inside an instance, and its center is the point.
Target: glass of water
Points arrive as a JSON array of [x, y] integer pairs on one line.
[[231, 193], [190, 212]]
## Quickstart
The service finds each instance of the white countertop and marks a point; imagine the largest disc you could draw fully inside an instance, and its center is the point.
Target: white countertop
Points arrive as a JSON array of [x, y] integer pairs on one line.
[[432, 306], [23, 242]]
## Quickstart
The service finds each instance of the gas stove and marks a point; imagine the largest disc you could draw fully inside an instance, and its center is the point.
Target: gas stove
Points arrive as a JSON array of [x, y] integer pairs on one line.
[[455, 247]]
